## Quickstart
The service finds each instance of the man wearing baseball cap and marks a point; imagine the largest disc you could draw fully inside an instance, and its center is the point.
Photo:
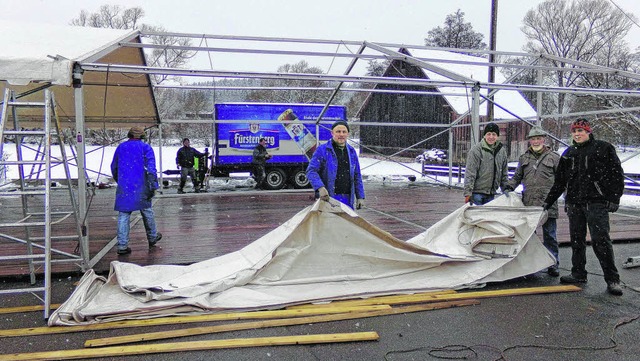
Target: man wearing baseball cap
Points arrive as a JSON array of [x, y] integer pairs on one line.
[[591, 173], [536, 171]]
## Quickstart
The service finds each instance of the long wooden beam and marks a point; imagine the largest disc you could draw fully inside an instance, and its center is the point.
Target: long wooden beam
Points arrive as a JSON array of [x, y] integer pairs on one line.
[[190, 346], [253, 315], [22, 309], [118, 340], [427, 297]]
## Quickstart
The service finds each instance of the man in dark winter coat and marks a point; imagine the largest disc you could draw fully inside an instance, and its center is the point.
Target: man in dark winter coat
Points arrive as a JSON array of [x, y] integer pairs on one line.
[[260, 156], [536, 171], [185, 160], [592, 175], [134, 169], [486, 168]]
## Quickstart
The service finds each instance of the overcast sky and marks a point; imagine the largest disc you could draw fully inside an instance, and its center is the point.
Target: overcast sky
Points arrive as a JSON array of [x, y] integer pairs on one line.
[[395, 21]]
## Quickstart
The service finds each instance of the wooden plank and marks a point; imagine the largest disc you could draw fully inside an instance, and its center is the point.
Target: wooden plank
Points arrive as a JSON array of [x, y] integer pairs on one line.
[[33, 331], [191, 346], [22, 309], [118, 340], [380, 300], [425, 297]]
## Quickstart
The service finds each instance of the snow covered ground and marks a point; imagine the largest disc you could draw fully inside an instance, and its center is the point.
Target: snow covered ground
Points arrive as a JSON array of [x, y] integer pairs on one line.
[[98, 162]]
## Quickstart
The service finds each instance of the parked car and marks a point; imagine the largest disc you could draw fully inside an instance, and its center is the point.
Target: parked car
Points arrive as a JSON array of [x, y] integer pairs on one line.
[[433, 155]]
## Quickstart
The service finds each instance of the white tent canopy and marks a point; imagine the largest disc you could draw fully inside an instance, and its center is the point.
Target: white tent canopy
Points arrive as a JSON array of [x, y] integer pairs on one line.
[[45, 54], [325, 252]]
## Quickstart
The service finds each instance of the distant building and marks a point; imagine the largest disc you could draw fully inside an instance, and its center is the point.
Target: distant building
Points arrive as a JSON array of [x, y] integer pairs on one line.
[[437, 110]]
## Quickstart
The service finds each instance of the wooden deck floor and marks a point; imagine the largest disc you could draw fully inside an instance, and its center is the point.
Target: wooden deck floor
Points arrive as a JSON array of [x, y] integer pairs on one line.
[[197, 227]]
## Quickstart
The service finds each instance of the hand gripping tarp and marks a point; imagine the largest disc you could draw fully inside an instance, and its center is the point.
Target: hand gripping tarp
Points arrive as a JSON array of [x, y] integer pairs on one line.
[[325, 252]]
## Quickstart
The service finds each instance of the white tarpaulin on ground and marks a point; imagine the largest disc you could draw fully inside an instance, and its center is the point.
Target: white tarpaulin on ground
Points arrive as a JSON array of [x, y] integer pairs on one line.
[[325, 252]]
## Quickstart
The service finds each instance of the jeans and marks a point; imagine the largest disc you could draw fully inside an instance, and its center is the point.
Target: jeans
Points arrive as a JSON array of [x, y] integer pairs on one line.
[[123, 227], [184, 171], [549, 238], [596, 217], [480, 198]]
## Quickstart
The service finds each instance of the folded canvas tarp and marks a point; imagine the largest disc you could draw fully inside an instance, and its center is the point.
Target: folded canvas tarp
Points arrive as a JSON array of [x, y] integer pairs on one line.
[[325, 252]]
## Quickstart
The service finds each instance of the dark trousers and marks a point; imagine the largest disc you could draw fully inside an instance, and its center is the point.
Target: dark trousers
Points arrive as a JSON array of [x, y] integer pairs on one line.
[[259, 174], [184, 172], [596, 217]]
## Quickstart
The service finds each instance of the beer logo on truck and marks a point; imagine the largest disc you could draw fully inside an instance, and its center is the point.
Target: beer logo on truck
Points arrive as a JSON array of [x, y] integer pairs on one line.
[[247, 139]]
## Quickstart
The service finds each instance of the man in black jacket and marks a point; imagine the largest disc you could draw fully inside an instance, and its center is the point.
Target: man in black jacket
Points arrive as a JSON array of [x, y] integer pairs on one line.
[[260, 156], [185, 160], [592, 175]]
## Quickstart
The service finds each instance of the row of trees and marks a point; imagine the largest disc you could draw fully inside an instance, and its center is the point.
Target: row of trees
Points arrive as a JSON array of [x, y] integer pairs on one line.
[[589, 31]]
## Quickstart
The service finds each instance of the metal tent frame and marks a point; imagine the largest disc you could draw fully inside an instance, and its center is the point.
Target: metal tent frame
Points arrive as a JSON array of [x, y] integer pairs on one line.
[[350, 54]]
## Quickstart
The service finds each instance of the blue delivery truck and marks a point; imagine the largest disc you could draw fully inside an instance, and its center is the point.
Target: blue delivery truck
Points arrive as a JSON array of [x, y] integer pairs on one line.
[[290, 141]]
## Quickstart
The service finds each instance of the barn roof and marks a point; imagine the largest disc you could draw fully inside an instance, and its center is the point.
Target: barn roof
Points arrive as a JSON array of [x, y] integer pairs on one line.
[[475, 68]]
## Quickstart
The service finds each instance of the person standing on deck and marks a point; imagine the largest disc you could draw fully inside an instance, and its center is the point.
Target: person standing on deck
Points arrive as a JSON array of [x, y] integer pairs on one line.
[[134, 169], [486, 168], [185, 160], [591, 173], [536, 171], [334, 169]]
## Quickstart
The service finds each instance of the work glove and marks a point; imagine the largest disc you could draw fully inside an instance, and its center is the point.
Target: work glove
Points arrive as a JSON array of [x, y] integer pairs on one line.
[[359, 203], [612, 207], [467, 199], [323, 193]]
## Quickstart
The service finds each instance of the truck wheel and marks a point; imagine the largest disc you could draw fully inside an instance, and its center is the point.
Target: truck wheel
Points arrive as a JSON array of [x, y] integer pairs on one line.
[[299, 179], [276, 179]]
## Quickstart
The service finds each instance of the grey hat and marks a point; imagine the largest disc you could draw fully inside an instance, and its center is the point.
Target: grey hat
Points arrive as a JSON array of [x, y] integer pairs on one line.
[[536, 132]]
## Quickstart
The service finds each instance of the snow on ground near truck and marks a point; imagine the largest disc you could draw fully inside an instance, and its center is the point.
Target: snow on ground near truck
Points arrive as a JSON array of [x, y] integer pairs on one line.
[[98, 162]]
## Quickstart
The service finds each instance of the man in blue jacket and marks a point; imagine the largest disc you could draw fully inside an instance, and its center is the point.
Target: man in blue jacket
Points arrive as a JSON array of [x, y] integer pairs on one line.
[[591, 173], [134, 169], [334, 169]]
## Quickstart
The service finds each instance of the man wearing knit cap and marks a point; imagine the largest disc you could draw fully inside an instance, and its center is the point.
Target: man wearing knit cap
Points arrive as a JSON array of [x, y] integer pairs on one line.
[[591, 173], [334, 169], [185, 160], [134, 169], [486, 168]]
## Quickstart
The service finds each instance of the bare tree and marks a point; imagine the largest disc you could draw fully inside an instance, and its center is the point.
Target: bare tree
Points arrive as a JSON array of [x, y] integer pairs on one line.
[[291, 96], [589, 31], [456, 33], [116, 17], [110, 16]]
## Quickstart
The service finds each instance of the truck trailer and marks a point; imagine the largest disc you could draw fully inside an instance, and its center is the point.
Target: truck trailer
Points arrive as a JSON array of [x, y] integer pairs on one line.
[[289, 129]]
